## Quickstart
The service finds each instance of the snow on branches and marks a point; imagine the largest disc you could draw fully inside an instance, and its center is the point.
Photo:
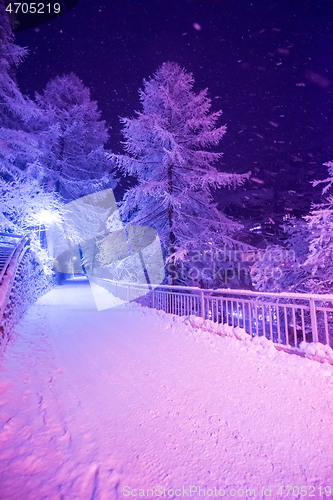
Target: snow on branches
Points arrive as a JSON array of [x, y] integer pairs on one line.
[[320, 257], [168, 148], [72, 138], [319, 262]]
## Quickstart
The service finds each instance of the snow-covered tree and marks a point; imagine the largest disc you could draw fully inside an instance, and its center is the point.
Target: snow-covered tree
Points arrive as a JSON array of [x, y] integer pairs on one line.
[[307, 254], [18, 146], [24, 204], [320, 222], [12, 104], [309, 247], [168, 148], [73, 135], [280, 268]]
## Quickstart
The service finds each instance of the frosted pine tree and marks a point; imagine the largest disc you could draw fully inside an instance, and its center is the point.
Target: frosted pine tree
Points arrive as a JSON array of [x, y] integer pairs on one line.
[[75, 161], [13, 105], [168, 151], [19, 151], [18, 146], [320, 258]]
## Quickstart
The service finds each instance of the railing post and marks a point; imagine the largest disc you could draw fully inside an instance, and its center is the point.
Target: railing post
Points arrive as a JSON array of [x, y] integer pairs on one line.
[[313, 320], [153, 301], [202, 304]]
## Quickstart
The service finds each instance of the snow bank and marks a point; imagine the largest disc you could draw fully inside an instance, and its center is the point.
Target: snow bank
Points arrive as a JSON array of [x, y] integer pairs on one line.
[[314, 351], [225, 330], [317, 352]]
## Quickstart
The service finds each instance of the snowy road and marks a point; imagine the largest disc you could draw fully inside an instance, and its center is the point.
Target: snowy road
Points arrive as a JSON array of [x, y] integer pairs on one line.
[[104, 405]]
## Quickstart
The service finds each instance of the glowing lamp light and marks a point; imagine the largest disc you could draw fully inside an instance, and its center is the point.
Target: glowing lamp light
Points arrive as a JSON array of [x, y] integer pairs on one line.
[[46, 217]]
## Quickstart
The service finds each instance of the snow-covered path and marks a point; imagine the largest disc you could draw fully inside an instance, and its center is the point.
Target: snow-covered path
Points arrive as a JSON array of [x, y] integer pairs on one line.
[[104, 405]]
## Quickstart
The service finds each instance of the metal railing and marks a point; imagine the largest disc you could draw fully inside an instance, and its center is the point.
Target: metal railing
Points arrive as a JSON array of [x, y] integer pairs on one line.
[[8, 245], [22, 281], [12, 250], [285, 318]]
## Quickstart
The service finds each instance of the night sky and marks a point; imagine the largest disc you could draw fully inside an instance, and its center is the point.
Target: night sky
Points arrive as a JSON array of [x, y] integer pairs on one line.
[[267, 65]]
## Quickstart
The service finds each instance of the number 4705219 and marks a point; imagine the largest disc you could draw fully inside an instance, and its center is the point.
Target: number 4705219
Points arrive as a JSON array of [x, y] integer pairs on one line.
[[33, 8], [303, 491]]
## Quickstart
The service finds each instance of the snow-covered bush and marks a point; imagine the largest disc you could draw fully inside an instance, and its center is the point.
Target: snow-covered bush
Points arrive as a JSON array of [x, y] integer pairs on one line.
[[281, 268], [25, 209]]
